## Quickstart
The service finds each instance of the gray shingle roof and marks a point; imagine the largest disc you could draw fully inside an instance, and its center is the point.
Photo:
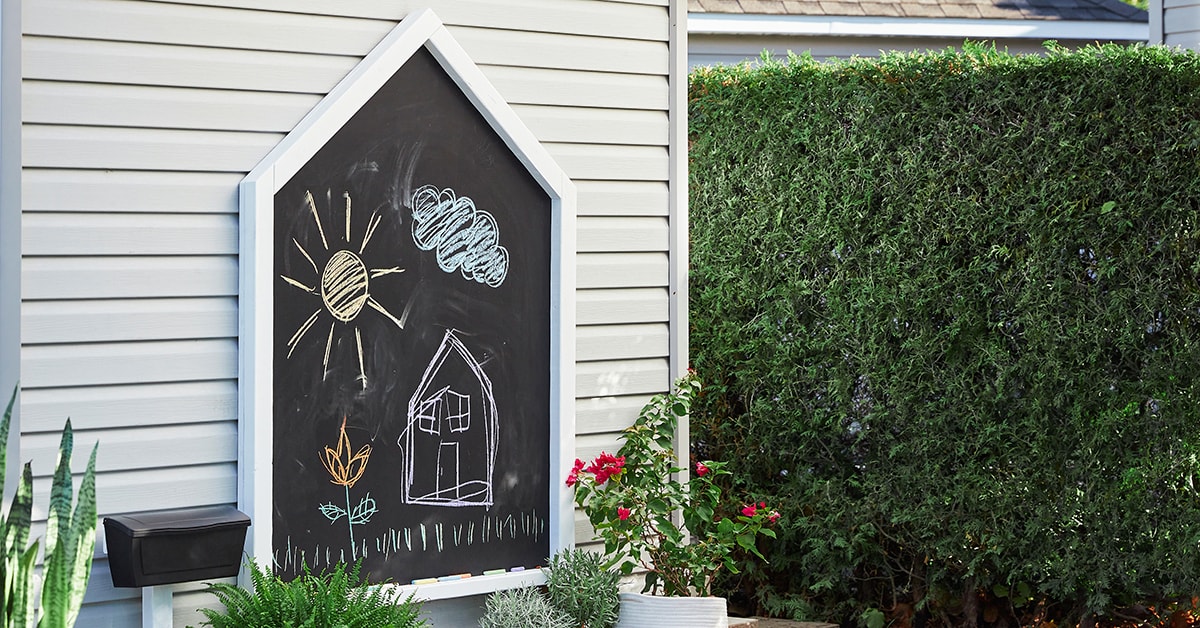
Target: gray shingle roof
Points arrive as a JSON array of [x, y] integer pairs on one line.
[[1102, 10]]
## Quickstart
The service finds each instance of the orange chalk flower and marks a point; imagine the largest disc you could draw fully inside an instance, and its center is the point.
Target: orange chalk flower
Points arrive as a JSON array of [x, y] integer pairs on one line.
[[346, 469]]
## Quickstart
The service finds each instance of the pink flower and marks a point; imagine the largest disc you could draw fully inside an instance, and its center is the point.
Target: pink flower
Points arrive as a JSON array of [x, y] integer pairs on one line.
[[573, 477], [750, 510], [773, 517], [701, 469], [606, 466], [623, 513]]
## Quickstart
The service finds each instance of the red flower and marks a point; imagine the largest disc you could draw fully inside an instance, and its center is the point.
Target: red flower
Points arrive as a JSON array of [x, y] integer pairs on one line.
[[606, 466], [701, 469], [623, 513], [750, 510], [573, 477], [773, 517]]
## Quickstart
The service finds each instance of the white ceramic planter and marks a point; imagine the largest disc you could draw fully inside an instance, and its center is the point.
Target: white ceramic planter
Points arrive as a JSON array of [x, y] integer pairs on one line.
[[649, 611]]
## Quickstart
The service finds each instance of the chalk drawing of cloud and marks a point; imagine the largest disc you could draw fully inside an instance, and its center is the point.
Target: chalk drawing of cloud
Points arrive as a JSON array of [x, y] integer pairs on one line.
[[466, 238]]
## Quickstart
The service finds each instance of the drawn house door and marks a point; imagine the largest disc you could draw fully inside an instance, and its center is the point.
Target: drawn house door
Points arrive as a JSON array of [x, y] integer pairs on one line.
[[449, 443]]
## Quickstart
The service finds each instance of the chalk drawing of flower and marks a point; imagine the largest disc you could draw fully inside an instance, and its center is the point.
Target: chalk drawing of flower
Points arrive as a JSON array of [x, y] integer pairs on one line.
[[346, 469]]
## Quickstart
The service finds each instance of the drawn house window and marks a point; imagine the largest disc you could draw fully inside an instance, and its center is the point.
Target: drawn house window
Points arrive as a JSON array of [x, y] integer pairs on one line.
[[449, 445], [445, 408]]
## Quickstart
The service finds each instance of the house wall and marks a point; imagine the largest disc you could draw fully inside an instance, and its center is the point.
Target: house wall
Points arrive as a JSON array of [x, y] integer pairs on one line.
[[140, 118], [1180, 22]]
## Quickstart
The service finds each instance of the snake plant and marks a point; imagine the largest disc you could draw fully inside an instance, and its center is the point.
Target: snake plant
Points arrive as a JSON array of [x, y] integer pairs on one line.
[[70, 541]]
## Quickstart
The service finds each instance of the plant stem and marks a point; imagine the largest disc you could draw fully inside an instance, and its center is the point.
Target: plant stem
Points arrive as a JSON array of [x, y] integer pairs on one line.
[[350, 525]]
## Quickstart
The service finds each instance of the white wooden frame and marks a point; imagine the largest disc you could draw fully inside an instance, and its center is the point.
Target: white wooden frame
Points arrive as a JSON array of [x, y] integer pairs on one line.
[[420, 29], [10, 227]]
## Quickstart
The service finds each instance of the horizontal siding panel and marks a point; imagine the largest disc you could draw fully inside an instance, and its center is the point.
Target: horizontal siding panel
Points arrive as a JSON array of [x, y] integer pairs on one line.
[[166, 65], [621, 305], [622, 198], [532, 86], [592, 445], [128, 277], [129, 191], [621, 270], [621, 342], [615, 234], [94, 408], [143, 149], [626, 163], [1182, 19], [1174, 4], [44, 322], [117, 614], [607, 414], [596, 126], [127, 21], [45, 366], [585, 533], [181, 25], [525, 49], [157, 489], [101, 591], [630, 20], [154, 64], [618, 378], [93, 233], [1189, 39], [98, 104], [138, 448]]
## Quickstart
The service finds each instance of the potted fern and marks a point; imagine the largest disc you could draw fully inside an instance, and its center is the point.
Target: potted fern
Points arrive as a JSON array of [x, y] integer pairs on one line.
[[339, 597]]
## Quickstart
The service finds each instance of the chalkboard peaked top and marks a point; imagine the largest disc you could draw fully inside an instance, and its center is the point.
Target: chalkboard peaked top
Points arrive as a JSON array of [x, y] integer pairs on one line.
[[422, 29]]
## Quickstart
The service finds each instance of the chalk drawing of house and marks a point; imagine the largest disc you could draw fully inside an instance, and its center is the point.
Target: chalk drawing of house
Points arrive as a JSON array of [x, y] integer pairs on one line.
[[449, 441]]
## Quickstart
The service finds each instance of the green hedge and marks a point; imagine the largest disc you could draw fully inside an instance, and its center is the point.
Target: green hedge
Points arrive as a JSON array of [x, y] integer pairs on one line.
[[947, 306]]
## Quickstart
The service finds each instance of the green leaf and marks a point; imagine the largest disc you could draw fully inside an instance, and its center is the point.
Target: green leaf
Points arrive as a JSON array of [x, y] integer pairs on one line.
[[873, 618], [4, 426], [61, 491]]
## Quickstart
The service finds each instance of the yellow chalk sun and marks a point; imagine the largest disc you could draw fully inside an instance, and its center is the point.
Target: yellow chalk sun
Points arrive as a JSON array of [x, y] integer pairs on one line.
[[344, 286]]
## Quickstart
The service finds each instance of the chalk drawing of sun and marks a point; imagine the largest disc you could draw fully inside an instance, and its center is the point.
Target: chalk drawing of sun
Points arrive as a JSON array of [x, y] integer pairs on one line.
[[343, 286]]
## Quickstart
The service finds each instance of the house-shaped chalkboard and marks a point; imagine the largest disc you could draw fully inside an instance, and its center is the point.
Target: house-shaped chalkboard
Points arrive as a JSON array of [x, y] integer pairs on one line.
[[407, 315]]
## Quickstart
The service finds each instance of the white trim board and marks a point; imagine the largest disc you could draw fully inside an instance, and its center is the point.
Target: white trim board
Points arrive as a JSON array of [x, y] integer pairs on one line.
[[421, 29], [10, 228], [981, 29]]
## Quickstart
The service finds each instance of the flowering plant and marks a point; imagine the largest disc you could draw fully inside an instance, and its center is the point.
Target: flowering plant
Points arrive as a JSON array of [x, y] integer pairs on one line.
[[647, 517]]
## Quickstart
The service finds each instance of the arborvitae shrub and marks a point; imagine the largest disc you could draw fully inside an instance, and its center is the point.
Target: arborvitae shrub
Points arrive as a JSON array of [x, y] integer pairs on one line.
[[947, 307]]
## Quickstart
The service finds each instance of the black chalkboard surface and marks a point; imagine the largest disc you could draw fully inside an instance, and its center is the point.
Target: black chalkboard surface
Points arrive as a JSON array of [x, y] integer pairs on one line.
[[411, 344]]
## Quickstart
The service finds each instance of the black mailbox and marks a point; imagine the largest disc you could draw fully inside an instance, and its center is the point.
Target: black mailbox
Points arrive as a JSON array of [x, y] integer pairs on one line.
[[169, 546]]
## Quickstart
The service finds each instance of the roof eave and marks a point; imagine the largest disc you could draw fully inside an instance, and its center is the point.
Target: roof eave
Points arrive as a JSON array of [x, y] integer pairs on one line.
[[851, 26]]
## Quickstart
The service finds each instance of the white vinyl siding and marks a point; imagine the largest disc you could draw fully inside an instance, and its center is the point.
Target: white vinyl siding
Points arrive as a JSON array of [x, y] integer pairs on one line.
[[1181, 23], [140, 118]]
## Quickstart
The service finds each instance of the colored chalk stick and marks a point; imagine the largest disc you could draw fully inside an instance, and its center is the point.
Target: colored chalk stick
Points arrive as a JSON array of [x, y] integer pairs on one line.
[[425, 581], [448, 578], [517, 569], [494, 572]]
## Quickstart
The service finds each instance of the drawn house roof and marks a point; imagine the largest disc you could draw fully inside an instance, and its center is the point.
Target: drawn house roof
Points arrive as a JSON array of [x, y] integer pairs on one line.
[[729, 31]]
